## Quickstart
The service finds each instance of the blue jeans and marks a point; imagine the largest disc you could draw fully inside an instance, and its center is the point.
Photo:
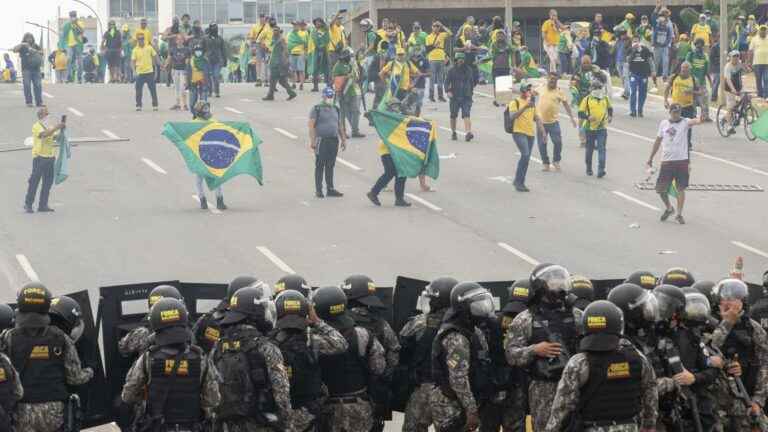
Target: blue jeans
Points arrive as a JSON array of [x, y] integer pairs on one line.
[[524, 145], [761, 79], [715, 85], [661, 57], [149, 79], [553, 130], [596, 139], [197, 92], [31, 79], [213, 77], [75, 57], [638, 90], [564, 67]]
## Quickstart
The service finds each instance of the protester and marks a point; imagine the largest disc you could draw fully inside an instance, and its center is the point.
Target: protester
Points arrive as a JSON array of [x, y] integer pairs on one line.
[[127, 64], [525, 123], [198, 85], [564, 49], [60, 65], [31, 56], [548, 110], [179, 62], [702, 30], [398, 76], [684, 90], [278, 66], [201, 111], [661, 39], [438, 59], [622, 48], [255, 36], [72, 39], [143, 58], [326, 133], [501, 58], [528, 64], [459, 85], [682, 48], [641, 66], [216, 56], [298, 44], [714, 69], [90, 66], [550, 35], [700, 70], [346, 76], [143, 30], [732, 74], [420, 84], [320, 39], [113, 44], [417, 41], [43, 160], [337, 39], [596, 112], [758, 48]]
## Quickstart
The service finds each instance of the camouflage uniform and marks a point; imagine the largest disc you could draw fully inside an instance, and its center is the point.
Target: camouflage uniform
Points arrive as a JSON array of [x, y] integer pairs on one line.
[[136, 341], [418, 416], [387, 338], [9, 374], [205, 332], [575, 376]]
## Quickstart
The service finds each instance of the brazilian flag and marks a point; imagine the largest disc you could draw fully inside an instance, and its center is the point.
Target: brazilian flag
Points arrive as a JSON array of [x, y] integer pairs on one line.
[[760, 127], [411, 141], [217, 150]]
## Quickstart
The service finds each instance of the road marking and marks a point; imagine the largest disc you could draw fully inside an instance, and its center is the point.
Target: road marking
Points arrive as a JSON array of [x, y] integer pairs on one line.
[[75, 112], [731, 163], [537, 160], [349, 165], [448, 130], [246, 100], [27, 267], [48, 95], [423, 202], [636, 201], [275, 259], [286, 133], [154, 166], [213, 210], [110, 134], [483, 94], [750, 248], [517, 253], [230, 109], [503, 179], [448, 156]]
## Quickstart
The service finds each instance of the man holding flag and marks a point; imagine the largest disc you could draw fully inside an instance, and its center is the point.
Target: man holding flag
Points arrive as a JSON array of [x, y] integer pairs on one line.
[[675, 160], [43, 161]]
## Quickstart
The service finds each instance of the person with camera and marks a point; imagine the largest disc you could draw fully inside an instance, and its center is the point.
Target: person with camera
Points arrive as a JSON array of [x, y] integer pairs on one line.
[[43, 160], [524, 124], [31, 60]]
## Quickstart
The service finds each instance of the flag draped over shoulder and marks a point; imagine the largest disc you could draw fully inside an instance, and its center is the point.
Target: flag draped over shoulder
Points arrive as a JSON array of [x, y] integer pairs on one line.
[[61, 166], [216, 150], [411, 141], [760, 127], [311, 53]]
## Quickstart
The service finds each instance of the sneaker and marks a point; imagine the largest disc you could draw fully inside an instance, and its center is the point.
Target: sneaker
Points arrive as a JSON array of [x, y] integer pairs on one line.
[[175, 108], [292, 96], [589, 172], [680, 219], [268, 98], [632, 114], [333, 193], [314, 90], [731, 131], [319, 194], [218, 95], [557, 166], [667, 213], [640, 114], [138, 108], [220, 203], [601, 174], [45, 209], [402, 203], [468, 136], [545, 168], [185, 108], [521, 188], [357, 135], [454, 137], [431, 98], [374, 199], [441, 99], [203, 203], [29, 105], [28, 209], [301, 87]]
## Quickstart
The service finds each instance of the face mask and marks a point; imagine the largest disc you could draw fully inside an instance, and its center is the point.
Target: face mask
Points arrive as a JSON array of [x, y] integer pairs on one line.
[[198, 53], [596, 93]]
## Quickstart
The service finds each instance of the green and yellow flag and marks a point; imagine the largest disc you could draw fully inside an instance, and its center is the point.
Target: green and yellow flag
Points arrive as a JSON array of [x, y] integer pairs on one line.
[[411, 141], [216, 150], [760, 127]]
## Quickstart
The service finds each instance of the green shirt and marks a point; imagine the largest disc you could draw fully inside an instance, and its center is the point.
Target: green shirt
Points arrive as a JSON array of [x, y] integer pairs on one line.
[[346, 69], [699, 66], [683, 48], [562, 44]]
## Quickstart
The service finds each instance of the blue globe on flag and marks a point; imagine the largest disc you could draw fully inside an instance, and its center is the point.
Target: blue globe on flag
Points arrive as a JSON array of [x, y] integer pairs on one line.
[[418, 133], [219, 148]]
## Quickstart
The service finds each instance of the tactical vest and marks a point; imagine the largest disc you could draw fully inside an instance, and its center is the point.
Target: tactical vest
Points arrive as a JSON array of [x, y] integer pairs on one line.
[[38, 356], [479, 363], [175, 398], [347, 372], [759, 312], [374, 325], [208, 331], [6, 387], [421, 361], [615, 386], [739, 341], [503, 375], [301, 364], [245, 388], [552, 325]]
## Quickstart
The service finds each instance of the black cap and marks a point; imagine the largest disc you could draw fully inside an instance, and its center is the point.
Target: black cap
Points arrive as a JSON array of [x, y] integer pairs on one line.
[[642, 278], [519, 295], [361, 289], [33, 297]]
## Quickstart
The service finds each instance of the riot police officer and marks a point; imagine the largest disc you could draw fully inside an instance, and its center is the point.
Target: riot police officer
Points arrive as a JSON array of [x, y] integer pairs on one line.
[[10, 391], [255, 388], [759, 310], [180, 386], [582, 292], [461, 361], [302, 337], [293, 282], [66, 314], [416, 338], [678, 277], [611, 385], [7, 317], [139, 339], [543, 338], [640, 311], [346, 375], [643, 278], [46, 360], [364, 308]]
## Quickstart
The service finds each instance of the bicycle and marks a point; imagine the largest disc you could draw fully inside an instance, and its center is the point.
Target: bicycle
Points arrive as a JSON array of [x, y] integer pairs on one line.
[[744, 110]]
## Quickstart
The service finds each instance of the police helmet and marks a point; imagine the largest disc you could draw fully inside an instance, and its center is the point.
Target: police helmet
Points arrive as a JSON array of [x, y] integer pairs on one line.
[[7, 317], [292, 282], [67, 314], [437, 295], [603, 324], [251, 303], [162, 291], [550, 280], [678, 277], [643, 278], [331, 305], [732, 289], [697, 307], [639, 306], [241, 282], [765, 279], [582, 292], [671, 300], [519, 297], [33, 297], [361, 289], [292, 309], [707, 288], [169, 318], [472, 299]]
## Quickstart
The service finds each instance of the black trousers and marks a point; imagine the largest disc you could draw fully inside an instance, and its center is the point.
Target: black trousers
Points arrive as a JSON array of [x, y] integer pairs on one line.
[[325, 161], [390, 172], [274, 79], [42, 168], [149, 79]]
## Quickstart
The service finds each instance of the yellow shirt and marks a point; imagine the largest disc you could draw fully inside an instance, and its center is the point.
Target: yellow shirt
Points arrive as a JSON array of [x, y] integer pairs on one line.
[[265, 38], [301, 49], [42, 147], [255, 30], [524, 123], [438, 41], [759, 47], [336, 35], [701, 31], [143, 56], [147, 35], [60, 61], [548, 106], [403, 70], [682, 91], [550, 32], [197, 75], [596, 111]]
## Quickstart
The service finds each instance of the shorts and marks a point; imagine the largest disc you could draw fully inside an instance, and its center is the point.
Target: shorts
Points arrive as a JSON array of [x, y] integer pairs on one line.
[[672, 170], [113, 58], [731, 100], [298, 62], [460, 103], [261, 53]]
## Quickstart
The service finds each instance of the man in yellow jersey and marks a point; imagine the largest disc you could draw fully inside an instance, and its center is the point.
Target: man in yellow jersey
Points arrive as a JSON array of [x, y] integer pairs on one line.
[[143, 30], [298, 43], [253, 37], [436, 54], [550, 35], [548, 108], [143, 58], [595, 111], [525, 122], [683, 88], [337, 39], [43, 161]]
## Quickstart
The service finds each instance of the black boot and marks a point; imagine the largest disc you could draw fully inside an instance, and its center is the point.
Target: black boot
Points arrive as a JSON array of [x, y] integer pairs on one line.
[[220, 203], [203, 203]]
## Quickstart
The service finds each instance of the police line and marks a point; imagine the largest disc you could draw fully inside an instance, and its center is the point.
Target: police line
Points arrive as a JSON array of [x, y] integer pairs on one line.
[[122, 308]]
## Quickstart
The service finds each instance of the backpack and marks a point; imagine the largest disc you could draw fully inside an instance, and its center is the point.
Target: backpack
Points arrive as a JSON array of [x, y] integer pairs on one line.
[[509, 124]]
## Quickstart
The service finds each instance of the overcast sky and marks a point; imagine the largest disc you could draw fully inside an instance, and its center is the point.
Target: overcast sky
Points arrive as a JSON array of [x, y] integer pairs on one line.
[[16, 12]]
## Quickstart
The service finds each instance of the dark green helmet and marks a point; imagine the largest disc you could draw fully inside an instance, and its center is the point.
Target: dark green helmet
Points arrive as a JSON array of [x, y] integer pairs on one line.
[[251, 303], [292, 282], [361, 289], [732, 289], [67, 314], [291, 303], [162, 291], [708, 289], [240, 282], [33, 297], [7, 317], [550, 280], [582, 292], [519, 297], [603, 324], [643, 279]]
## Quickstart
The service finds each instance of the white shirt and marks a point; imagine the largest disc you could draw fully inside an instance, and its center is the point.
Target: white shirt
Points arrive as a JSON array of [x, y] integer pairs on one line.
[[674, 140]]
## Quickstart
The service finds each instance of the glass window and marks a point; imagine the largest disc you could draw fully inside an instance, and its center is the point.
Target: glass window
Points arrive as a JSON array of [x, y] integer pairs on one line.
[[305, 11], [250, 12], [222, 14], [194, 9], [151, 8], [317, 9], [138, 8]]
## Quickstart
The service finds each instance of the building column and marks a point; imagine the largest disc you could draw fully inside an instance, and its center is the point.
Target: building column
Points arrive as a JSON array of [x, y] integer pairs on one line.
[[508, 13], [165, 13], [373, 13]]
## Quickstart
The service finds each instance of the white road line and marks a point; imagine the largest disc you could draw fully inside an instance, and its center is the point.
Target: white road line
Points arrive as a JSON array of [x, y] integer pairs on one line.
[[154, 166], [750, 248], [27, 267], [230, 109], [483, 94], [535, 159], [275, 259], [348, 164], [75, 112], [636, 201], [517, 253], [212, 209], [731, 163], [110, 134], [424, 202], [286, 133], [48, 95], [448, 130], [246, 100], [634, 135]]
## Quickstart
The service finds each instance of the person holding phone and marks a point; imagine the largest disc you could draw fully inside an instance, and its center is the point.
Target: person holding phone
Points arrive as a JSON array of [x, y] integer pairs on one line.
[[43, 160]]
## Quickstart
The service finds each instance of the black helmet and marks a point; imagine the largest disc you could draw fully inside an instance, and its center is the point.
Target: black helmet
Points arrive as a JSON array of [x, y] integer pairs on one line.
[[292, 309], [241, 282], [169, 318], [678, 277], [213, 29], [765, 279], [519, 296], [162, 291], [361, 289], [582, 292], [67, 314], [643, 278], [472, 299], [549, 280], [697, 307], [7, 317], [253, 303], [732, 289], [603, 324], [639, 306], [671, 300], [708, 289], [33, 297], [292, 282], [438, 294], [331, 304]]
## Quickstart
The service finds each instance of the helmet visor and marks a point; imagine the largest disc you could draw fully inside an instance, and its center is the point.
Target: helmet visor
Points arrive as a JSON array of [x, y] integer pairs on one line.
[[422, 303], [480, 303], [647, 307], [732, 289], [697, 307], [667, 305], [556, 278]]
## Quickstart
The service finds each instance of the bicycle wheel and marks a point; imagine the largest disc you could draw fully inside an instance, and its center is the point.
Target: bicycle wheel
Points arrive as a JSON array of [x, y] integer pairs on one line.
[[720, 119], [750, 117]]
